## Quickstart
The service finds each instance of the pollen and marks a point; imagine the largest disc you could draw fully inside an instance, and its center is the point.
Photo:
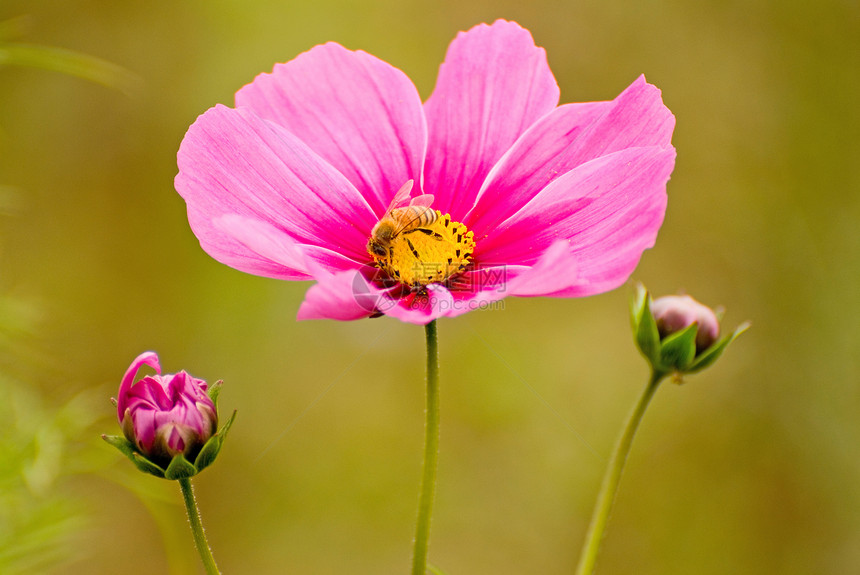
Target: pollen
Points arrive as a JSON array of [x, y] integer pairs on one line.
[[429, 254]]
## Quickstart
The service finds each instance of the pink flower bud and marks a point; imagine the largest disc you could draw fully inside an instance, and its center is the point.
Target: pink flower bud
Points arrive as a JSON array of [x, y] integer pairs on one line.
[[675, 312], [165, 415]]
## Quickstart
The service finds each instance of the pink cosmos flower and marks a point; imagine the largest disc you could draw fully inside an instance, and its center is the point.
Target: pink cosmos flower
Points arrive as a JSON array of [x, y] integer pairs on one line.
[[530, 198], [165, 415]]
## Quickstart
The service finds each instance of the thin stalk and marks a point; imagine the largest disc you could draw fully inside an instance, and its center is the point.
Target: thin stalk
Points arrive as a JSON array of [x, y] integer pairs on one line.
[[427, 490], [197, 528], [609, 488]]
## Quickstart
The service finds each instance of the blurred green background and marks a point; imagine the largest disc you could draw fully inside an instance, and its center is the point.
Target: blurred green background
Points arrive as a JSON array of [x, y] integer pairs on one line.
[[751, 467]]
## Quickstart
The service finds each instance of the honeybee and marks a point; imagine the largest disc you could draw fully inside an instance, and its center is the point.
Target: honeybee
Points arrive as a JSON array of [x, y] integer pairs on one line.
[[400, 220]]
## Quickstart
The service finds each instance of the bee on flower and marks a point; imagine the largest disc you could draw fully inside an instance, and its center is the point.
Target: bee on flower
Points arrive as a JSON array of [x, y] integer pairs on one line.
[[330, 168]]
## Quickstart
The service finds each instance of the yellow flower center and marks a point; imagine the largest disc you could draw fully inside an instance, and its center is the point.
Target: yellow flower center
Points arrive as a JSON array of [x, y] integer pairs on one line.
[[428, 254]]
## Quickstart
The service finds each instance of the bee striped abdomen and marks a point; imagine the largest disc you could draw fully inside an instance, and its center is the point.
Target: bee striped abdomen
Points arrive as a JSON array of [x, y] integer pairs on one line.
[[411, 217]]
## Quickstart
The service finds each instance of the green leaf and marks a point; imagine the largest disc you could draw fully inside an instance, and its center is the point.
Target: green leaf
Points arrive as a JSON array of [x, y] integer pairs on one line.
[[208, 454], [15, 27], [434, 570], [645, 328], [146, 465], [180, 468], [710, 355], [222, 433], [637, 301], [69, 62], [678, 349], [130, 450], [212, 447], [121, 443], [214, 392]]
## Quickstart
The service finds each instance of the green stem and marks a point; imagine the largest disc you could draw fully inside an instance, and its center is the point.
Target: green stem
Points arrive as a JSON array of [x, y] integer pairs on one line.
[[609, 488], [431, 455], [197, 527]]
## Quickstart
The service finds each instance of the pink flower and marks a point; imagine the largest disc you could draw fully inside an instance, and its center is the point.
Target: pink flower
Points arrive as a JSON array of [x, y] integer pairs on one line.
[[165, 415], [530, 198]]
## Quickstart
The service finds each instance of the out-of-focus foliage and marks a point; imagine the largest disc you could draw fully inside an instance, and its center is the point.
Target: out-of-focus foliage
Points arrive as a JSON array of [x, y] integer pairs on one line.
[[17, 53], [39, 444], [753, 470], [37, 523], [38, 449]]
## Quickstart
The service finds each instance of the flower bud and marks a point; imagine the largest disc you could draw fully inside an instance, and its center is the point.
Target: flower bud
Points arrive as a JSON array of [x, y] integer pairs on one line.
[[677, 334], [676, 312], [169, 421]]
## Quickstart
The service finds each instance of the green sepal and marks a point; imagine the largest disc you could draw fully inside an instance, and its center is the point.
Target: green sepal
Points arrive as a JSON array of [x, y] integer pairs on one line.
[[214, 391], [637, 300], [121, 443], [213, 446], [710, 355], [146, 465], [128, 449], [180, 468], [644, 327], [208, 454], [678, 349]]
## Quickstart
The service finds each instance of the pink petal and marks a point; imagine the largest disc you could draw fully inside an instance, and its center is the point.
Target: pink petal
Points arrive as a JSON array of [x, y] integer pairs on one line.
[[174, 440], [343, 296], [359, 113], [149, 358], [609, 209], [186, 413], [279, 250], [272, 247], [464, 302], [233, 162], [568, 137], [144, 424], [493, 85], [421, 310], [483, 278], [150, 391], [183, 387], [197, 383], [556, 269]]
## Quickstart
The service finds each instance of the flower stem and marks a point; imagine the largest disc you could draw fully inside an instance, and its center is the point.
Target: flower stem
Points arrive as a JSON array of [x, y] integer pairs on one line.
[[197, 527], [606, 497], [431, 455]]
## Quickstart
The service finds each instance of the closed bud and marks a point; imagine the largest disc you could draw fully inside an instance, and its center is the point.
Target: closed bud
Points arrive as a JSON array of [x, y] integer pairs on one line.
[[674, 313], [677, 334], [169, 421]]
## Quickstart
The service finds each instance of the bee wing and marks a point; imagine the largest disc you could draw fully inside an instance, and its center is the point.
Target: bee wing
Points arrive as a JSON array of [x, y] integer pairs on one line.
[[424, 201], [400, 196], [409, 218]]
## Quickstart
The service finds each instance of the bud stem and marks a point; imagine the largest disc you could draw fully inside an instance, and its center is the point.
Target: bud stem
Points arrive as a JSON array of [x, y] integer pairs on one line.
[[427, 490], [197, 527], [609, 488]]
